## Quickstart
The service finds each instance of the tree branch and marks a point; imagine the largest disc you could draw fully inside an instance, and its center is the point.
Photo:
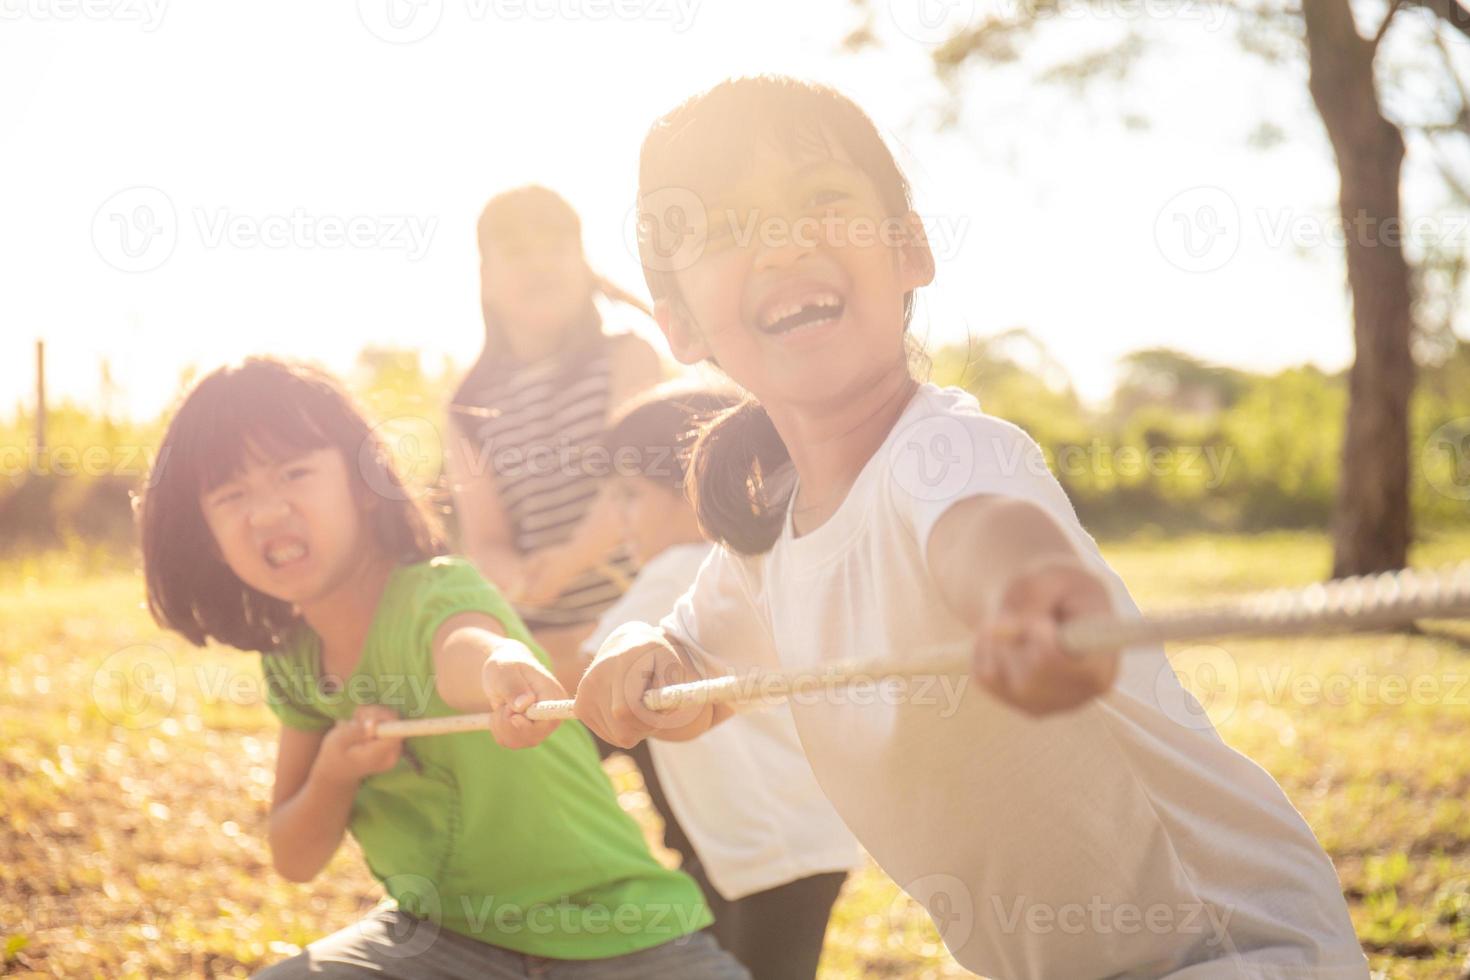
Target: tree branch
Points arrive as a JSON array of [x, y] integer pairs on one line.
[[1393, 8], [1455, 79], [1452, 12], [1456, 184]]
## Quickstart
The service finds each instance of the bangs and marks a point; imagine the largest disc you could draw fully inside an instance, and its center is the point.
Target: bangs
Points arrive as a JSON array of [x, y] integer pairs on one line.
[[707, 144], [257, 419], [264, 411]]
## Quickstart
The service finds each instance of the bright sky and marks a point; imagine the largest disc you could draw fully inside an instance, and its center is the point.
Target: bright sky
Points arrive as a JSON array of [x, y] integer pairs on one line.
[[248, 141]]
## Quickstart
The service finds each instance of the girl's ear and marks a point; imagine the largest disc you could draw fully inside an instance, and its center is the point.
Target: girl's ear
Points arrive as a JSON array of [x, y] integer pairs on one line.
[[685, 339], [915, 258]]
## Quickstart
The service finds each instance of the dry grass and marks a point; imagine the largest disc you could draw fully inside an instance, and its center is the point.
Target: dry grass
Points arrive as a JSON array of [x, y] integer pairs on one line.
[[138, 848]]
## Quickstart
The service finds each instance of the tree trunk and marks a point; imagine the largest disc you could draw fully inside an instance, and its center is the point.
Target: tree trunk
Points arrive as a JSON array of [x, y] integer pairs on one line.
[[1371, 523]]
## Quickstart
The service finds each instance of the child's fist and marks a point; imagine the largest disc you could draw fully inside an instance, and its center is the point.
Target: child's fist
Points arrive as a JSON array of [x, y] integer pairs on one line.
[[1018, 657], [512, 684], [352, 750], [633, 660]]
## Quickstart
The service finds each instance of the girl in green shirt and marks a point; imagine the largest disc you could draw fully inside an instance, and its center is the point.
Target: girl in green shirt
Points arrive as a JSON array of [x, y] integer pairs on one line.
[[274, 521]]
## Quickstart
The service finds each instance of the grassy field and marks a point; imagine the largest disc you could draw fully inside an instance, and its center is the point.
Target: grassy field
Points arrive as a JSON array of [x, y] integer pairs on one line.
[[137, 772]]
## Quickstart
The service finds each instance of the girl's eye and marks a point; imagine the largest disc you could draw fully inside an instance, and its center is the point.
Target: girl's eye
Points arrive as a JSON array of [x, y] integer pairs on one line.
[[723, 227], [825, 197], [297, 472], [718, 236], [228, 497]]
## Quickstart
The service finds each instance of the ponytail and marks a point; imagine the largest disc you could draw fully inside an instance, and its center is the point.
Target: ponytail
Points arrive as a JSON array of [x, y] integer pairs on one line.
[[741, 479], [618, 294]]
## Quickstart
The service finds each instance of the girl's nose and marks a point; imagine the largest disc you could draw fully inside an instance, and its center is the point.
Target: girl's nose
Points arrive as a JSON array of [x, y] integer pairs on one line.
[[785, 250], [266, 511]]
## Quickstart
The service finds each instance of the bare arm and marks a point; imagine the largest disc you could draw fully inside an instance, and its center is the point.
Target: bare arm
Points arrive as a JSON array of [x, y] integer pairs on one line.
[[485, 530], [478, 668], [979, 543], [1006, 570], [462, 645], [317, 775]]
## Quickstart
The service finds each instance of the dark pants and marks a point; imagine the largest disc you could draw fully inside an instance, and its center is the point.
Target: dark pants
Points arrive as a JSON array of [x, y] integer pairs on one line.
[[776, 934]]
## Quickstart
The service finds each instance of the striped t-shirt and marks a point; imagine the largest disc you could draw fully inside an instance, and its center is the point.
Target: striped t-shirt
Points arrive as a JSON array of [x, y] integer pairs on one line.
[[532, 428]]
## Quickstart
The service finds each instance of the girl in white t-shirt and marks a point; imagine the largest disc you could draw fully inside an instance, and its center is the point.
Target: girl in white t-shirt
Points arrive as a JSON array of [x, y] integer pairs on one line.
[[758, 834], [1059, 817]]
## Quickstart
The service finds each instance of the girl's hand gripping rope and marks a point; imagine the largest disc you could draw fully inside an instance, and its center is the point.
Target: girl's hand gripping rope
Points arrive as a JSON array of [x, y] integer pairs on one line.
[[353, 750], [635, 659], [514, 680], [1018, 653]]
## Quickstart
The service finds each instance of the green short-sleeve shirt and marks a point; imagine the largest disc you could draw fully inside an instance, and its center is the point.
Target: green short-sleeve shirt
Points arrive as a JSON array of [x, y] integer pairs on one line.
[[526, 849]]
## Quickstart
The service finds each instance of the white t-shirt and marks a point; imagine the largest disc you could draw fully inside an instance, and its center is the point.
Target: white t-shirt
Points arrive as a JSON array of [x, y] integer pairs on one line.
[[1124, 839], [743, 792]]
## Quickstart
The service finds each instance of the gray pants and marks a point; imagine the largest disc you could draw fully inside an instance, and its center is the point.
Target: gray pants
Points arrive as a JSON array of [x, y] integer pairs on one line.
[[393, 945]]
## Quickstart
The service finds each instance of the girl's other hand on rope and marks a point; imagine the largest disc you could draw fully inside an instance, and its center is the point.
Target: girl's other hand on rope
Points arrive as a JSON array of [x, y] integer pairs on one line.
[[513, 681], [1018, 656], [635, 659], [352, 750]]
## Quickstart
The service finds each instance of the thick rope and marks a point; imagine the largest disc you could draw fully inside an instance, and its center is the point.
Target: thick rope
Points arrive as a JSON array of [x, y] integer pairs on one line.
[[1350, 604]]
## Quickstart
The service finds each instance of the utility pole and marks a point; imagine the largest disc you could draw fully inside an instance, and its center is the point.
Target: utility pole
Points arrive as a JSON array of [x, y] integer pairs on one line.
[[40, 398]]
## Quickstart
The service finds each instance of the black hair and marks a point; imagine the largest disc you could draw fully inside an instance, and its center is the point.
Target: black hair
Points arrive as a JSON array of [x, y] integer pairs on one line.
[[277, 409], [656, 430]]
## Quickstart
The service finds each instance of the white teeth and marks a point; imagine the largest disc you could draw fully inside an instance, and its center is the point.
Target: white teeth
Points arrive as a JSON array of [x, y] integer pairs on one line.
[[780, 313], [777, 314], [282, 554]]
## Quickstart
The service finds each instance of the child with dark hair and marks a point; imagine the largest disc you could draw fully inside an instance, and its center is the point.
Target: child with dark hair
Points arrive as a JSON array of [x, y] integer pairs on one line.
[[756, 831], [1060, 821], [275, 522]]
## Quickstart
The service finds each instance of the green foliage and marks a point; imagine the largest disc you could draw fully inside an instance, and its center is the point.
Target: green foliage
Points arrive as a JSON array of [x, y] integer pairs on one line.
[[75, 492], [1189, 446], [1184, 445]]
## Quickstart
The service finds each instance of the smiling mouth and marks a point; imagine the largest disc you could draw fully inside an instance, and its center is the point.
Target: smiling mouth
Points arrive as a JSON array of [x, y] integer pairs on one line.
[[280, 554], [786, 317]]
